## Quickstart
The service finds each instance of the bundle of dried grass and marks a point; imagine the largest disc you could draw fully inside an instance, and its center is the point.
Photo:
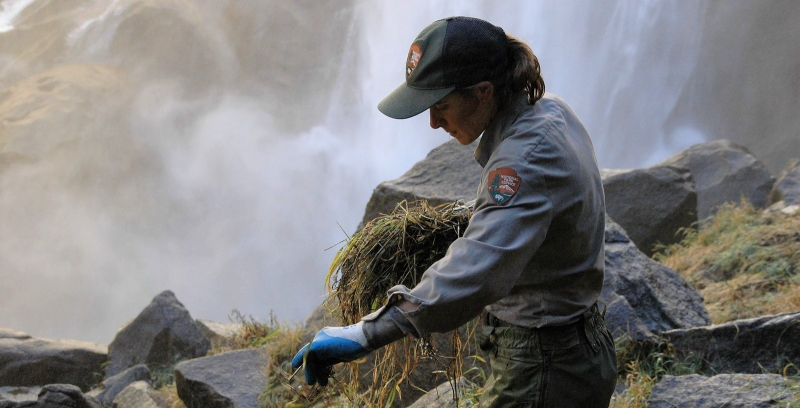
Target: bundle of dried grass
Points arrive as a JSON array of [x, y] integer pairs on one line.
[[395, 249], [390, 250]]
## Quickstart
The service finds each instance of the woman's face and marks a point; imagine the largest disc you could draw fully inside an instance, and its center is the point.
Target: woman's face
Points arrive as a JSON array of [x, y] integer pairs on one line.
[[464, 114]]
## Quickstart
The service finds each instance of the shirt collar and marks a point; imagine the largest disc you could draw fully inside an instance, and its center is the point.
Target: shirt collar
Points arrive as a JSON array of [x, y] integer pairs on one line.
[[495, 131]]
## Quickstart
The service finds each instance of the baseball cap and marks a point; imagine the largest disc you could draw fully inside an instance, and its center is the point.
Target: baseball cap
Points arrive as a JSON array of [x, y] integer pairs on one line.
[[451, 53]]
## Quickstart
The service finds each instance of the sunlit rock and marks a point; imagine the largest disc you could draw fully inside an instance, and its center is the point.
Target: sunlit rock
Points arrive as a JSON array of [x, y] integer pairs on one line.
[[139, 394], [27, 361], [446, 395], [787, 186], [219, 333], [66, 105]]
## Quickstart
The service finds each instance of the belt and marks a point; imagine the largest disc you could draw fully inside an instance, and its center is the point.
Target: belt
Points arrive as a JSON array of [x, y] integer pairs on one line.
[[492, 320]]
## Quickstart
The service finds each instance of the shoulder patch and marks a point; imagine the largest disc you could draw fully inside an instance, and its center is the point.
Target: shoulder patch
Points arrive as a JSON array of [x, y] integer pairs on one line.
[[503, 183]]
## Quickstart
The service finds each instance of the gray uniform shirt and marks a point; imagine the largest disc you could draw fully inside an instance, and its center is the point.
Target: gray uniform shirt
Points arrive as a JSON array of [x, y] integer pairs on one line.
[[533, 252]]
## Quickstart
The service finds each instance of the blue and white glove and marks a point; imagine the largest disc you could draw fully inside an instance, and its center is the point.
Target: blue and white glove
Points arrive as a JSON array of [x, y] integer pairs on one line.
[[330, 346]]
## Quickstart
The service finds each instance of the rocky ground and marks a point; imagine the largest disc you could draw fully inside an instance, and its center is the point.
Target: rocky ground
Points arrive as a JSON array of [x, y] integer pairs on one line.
[[743, 363]]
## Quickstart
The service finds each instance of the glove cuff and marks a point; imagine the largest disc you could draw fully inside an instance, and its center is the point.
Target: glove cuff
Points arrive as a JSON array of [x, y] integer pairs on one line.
[[387, 328]]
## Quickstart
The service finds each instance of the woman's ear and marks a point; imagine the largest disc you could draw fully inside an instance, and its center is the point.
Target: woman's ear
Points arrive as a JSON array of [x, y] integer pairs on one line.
[[484, 90]]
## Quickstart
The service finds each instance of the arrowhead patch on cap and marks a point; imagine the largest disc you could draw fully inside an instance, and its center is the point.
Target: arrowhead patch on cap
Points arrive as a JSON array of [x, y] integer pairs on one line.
[[414, 54], [503, 184]]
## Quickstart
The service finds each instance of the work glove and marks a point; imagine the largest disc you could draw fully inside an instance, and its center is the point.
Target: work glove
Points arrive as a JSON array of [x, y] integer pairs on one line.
[[331, 345]]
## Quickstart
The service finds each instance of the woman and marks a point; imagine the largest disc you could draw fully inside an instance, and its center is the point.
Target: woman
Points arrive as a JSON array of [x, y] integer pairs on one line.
[[533, 254]]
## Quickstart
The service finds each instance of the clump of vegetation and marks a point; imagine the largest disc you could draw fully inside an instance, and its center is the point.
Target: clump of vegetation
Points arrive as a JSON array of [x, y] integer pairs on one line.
[[641, 364], [391, 250], [745, 262]]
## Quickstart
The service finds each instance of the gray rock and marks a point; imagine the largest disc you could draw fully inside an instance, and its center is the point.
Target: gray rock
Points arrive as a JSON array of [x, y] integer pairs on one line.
[[217, 333], [449, 173], [27, 361], [724, 172], [66, 396], [19, 393], [443, 395], [139, 394], [725, 390], [651, 204], [642, 295], [227, 380], [787, 187], [12, 334], [764, 344], [112, 386], [163, 333]]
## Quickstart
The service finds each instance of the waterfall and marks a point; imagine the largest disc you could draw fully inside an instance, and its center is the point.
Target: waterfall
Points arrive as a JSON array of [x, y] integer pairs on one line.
[[222, 149]]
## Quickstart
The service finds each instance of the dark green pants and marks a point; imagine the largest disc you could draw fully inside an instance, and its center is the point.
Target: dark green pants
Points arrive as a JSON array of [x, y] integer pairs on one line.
[[572, 367]]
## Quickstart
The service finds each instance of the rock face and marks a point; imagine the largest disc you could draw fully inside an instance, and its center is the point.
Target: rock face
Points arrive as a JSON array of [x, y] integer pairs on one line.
[[787, 187], [725, 390], [441, 396], [642, 295], [161, 334], [218, 333], [139, 394], [651, 204], [56, 396], [227, 380], [724, 172], [764, 344], [449, 173], [114, 385], [28, 361]]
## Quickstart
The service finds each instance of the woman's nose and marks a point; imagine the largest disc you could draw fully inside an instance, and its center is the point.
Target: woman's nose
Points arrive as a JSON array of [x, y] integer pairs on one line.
[[436, 119]]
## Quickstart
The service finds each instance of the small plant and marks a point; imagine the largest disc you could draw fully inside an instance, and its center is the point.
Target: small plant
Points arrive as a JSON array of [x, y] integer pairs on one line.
[[641, 364]]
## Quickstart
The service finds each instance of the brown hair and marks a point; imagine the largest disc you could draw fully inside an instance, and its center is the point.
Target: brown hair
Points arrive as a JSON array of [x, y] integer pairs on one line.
[[522, 73]]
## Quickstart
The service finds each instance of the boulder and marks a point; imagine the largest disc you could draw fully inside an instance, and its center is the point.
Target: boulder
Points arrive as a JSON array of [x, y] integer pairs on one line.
[[443, 395], [651, 204], [163, 333], [27, 361], [114, 385], [763, 344], [64, 396], [18, 394], [449, 173], [228, 380], [724, 172], [139, 394], [724, 390], [219, 334], [643, 296], [787, 187], [13, 334]]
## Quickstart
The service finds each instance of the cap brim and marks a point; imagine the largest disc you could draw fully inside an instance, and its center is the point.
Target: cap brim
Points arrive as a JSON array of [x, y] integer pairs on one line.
[[405, 102]]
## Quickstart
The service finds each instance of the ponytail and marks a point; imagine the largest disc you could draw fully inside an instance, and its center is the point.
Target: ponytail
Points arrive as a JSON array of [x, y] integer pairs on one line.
[[522, 73]]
